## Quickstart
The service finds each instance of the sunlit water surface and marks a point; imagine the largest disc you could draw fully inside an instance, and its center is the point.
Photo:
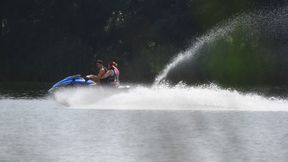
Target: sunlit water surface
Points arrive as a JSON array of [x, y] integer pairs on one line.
[[161, 123]]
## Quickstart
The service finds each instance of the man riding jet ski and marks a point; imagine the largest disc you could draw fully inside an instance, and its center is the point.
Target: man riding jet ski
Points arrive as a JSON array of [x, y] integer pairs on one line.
[[101, 72], [106, 77]]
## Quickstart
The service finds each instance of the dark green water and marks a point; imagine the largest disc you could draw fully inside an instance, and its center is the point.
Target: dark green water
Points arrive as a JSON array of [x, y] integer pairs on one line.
[[24, 89]]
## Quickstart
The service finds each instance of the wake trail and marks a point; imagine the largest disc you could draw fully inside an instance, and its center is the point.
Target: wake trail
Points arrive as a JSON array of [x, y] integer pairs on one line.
[[165, 97]]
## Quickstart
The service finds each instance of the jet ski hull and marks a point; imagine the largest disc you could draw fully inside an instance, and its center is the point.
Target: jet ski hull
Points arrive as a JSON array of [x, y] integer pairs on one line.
[[78, 81], [75, 80]]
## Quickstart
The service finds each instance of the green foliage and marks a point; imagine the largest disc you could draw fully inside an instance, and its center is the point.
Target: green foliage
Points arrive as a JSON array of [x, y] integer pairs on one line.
[[240, 60], [211, 12]]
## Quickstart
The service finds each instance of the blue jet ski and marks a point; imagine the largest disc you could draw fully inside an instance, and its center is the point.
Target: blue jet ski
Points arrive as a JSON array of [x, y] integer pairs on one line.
[[75, 80], [78, 80]]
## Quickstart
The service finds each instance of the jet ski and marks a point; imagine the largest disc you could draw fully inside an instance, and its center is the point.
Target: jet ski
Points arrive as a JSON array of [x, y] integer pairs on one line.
[[71, 81], [79, 81]]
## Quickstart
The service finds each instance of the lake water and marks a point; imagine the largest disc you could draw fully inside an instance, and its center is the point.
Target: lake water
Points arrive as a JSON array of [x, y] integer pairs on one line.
[[145, 124]]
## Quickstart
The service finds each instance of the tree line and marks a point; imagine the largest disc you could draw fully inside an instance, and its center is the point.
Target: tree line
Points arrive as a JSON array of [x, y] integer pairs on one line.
[[46, 40]]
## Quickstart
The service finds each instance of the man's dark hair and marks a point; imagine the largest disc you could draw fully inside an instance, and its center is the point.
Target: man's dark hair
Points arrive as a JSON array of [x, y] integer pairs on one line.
[[99, 61]]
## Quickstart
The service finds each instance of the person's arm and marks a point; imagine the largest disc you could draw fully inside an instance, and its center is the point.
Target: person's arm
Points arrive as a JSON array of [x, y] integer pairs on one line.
[[107, 74], [92, 77], [96, 78], [101, 73]]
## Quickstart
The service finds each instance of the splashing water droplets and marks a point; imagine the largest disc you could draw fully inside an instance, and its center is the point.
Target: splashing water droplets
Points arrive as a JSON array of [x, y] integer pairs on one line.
[[213, 35], [162, 96]]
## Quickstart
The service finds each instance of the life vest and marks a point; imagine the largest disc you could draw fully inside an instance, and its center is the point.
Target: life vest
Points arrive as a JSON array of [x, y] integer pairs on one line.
[[116, 74]]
